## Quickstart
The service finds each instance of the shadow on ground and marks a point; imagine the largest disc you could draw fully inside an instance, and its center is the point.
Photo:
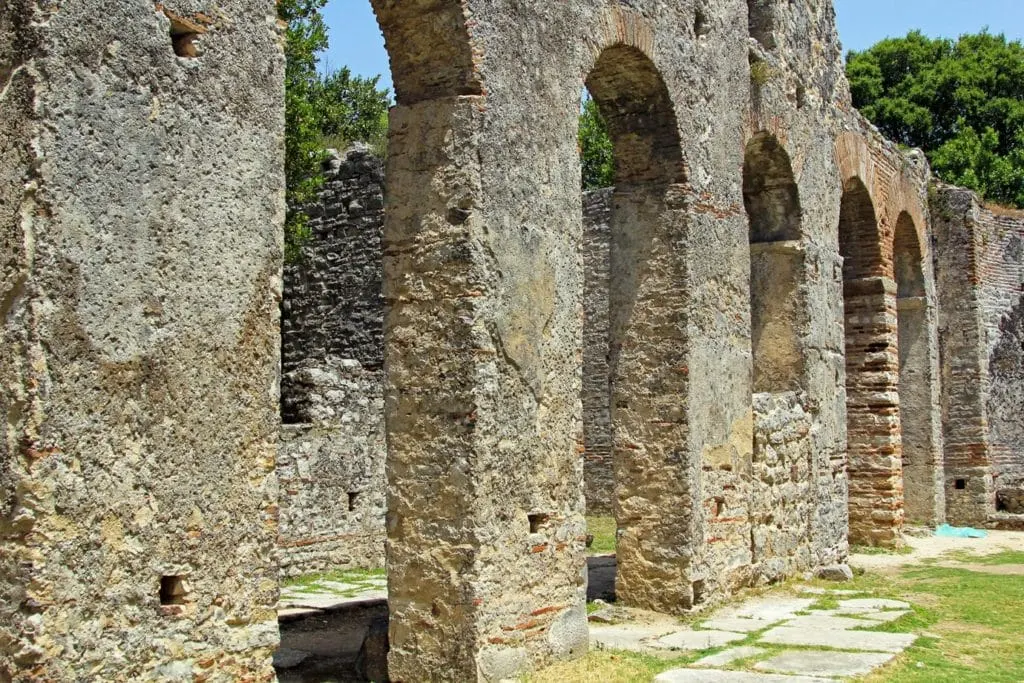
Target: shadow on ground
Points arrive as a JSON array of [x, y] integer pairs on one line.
[[348, 643]]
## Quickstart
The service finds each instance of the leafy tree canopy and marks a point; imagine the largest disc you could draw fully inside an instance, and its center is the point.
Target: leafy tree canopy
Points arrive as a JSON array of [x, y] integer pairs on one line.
[[961, 101], [597, 157], [321, 110]]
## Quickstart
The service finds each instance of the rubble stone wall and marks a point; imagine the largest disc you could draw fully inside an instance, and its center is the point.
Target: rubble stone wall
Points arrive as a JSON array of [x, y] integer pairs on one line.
[[141, 204], [981, 271]]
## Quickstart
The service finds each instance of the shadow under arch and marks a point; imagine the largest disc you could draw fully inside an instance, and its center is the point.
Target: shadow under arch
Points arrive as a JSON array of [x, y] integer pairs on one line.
[[654, 485], [429, 49], [872, 406], [922, 476], [777, 308]]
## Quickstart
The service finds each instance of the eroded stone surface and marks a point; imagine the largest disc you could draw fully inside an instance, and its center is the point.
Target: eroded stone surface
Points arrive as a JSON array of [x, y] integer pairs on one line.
[[825, 663], [726, 657], [870, 641]]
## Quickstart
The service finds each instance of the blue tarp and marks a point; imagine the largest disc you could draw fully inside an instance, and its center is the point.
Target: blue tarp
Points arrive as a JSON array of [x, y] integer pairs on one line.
[[948, 531]]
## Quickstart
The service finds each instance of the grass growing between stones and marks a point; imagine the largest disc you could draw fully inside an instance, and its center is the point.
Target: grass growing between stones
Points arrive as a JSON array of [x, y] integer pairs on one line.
[[346, 583], [603, 530], [969, 625]]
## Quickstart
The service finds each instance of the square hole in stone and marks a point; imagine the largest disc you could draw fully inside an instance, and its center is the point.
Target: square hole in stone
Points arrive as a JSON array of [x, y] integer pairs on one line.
[[353, 496], [172, 590], [960, 484], [537, 520]]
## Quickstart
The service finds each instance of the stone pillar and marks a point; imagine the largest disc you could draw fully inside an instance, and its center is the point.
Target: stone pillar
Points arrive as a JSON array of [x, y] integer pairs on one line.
[[970, 497], [485, 522], [922, 464], [873, 417], [598, 470], [141, 205], [655, 484]]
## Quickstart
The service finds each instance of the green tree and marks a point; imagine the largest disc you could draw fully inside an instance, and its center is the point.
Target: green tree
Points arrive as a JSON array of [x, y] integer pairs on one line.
[[306, 37], [351, 109], [597, 158], [961, 101]]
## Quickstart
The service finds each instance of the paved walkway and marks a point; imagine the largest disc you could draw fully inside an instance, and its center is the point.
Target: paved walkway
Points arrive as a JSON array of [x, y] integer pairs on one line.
[[327, 595], [766, 640]]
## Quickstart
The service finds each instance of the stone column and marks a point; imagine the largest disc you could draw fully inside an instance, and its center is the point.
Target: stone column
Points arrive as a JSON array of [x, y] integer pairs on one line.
[[873, 417], [922, 465], [141, 205], [655, 484], [485, 525]]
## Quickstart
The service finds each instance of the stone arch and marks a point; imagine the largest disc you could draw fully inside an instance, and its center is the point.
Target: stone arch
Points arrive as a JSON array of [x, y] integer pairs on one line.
[[429, 49], [860, 236], [647, 330], [772, 203], [872, 403], [636, 106]]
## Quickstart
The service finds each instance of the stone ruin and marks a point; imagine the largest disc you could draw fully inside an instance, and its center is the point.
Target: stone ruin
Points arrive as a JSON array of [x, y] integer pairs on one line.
[[769, 341]]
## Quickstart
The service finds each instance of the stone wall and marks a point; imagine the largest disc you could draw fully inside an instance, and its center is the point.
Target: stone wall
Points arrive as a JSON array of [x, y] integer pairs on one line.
[[332, 452], [141, 204], [330, 466], [981, 270], [599, 482]]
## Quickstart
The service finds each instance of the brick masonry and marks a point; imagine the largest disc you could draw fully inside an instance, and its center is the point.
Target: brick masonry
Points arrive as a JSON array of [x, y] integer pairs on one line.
[[980, 275]]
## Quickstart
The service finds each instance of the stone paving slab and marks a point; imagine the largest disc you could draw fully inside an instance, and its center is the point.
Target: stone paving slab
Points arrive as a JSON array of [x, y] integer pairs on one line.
[[719, 676], [844, 640], [883, 617], [626, 636], [829, 622], [738, 624], [726, 657], [697, 640], [768, 609], [871, 604], [825, 662]]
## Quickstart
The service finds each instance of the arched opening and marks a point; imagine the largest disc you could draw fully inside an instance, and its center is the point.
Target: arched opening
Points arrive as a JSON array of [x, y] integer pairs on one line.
[[379, 385], [646, 332], [776, 266], [872, 405], [919, 468], [761, 22]]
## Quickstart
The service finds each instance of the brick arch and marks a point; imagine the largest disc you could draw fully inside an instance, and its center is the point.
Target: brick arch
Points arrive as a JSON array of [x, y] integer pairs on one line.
[[861, 222], [429, 48], [634, 100]]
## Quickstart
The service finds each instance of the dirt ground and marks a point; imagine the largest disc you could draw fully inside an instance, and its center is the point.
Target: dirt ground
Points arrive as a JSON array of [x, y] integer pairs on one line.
[[942, 552]]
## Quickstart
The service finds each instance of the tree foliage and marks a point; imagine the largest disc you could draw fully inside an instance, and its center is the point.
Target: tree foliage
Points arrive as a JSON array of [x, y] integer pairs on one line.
[[305, 38], [961, 101], [320, 109], [597, 158], [352, 108]]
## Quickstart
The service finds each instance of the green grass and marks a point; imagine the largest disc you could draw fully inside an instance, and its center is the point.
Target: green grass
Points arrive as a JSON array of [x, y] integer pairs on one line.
[[875, 550], [361, 580], [1006, 557], [970, 625], [603, 529]]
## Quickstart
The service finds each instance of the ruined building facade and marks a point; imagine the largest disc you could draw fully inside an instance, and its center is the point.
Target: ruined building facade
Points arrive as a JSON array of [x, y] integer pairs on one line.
[[800, 352]]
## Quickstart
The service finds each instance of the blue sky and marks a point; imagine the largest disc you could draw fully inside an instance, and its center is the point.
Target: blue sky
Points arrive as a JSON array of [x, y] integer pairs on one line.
[[356, 41]]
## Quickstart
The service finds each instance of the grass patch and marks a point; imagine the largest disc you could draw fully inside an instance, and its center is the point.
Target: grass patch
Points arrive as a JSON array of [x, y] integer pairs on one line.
[[969, 625], [1006, 557], [603, 530], [361, 580], [876, 550]]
